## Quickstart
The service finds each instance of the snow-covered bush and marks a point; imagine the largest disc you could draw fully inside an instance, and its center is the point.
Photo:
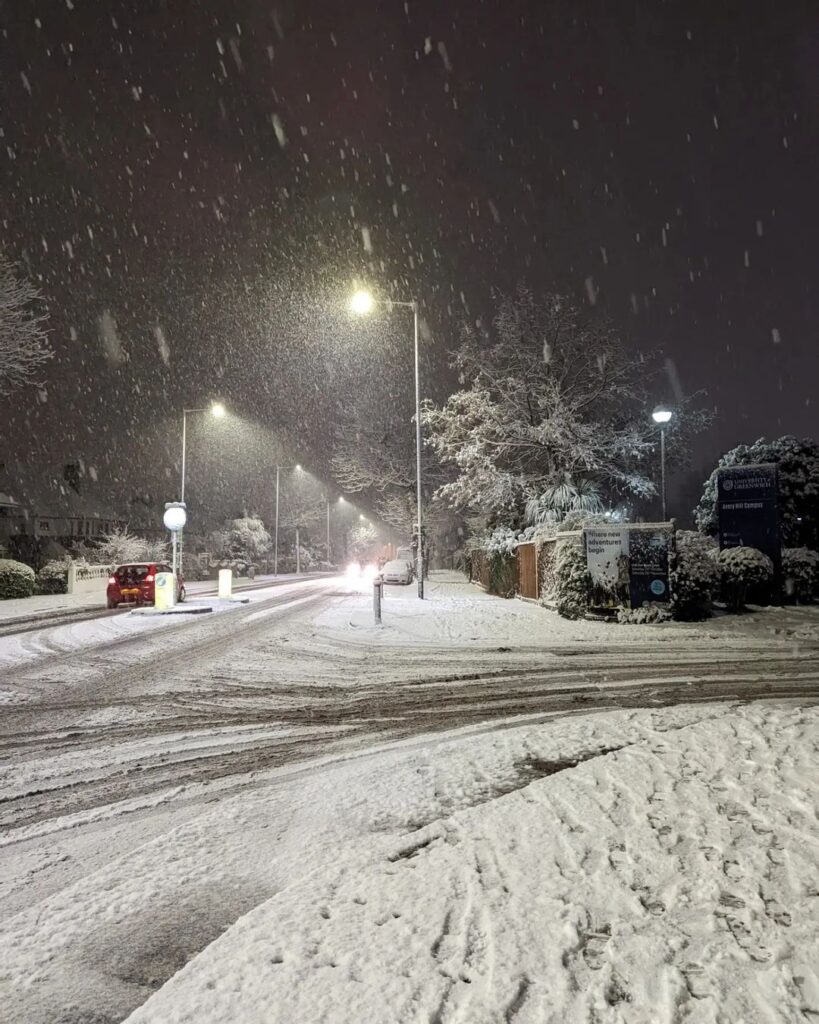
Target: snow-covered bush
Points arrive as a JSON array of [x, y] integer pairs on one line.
[[240, 567], [247, 539], [800, 574], [742, 569], [647, 615], [120, 546], [16, 579], [502, 574], [501, 541], [306, 558], [52, 578], [694, 576], [571, 580]]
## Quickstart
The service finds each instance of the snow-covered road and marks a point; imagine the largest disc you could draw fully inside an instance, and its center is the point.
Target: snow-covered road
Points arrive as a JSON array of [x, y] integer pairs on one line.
[[115, 732]]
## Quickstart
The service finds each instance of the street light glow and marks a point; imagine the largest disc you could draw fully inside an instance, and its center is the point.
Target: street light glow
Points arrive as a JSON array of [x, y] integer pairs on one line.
[[661, 414], [362, 302], [217, 410], [297, 467]]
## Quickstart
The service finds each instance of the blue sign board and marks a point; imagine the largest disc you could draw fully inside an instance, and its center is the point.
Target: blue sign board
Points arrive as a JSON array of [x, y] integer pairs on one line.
[[748, 511]]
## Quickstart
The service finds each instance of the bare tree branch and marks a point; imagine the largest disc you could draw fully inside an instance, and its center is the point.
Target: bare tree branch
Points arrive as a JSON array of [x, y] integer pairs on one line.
[[23, 339]]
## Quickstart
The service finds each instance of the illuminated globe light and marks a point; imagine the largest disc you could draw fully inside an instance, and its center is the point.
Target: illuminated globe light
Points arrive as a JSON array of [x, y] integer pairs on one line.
[[217, 410], [661, 414], [175, 518], [362, 302]]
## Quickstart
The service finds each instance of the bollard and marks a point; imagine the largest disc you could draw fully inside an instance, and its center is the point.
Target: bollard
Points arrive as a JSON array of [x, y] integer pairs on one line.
[[225, 583], [164, 590], [378, 584]]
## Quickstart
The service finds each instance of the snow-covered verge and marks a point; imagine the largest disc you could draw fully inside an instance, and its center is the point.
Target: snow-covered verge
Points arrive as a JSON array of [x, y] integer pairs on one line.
[[652, 865], [668, 879], [457, 612]]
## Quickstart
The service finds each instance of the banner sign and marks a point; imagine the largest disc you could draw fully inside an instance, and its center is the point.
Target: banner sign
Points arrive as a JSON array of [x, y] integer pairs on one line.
[[628, 565], [748, 510], [648, 566], [607, 549]]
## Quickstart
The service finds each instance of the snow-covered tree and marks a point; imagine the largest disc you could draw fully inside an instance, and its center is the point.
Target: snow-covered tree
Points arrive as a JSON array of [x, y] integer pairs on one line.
[[375, 455], [380, 457], [120, 547], [798, 469], [246, 538], [23, 339], [550, 417]]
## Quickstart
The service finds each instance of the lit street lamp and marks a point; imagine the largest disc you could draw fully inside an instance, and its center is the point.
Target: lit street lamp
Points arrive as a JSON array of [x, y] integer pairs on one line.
[[217, 410], [362, 303], [297, 467], [661, 416], [174, 520]]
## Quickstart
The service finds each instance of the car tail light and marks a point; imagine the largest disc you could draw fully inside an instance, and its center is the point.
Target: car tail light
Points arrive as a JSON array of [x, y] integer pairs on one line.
[[112, 579], [149, 579]]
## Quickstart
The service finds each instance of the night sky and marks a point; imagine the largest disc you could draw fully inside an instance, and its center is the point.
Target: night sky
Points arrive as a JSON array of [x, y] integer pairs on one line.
[[194, 185]]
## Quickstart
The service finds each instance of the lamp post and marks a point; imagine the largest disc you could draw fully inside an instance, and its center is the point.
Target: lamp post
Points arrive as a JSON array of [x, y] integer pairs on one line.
[[362, 303], [661, 417], [217, 410], [174, 520], [279, 468]]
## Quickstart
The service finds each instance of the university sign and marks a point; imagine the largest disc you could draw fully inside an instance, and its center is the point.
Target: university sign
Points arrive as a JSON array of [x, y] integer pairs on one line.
[[748, 510]]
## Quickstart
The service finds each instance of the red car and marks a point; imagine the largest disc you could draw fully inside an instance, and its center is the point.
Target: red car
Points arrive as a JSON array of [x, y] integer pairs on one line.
[[135, 583]]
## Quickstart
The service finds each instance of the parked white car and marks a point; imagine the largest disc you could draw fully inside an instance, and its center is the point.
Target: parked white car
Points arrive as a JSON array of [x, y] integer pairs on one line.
[[397, 571]]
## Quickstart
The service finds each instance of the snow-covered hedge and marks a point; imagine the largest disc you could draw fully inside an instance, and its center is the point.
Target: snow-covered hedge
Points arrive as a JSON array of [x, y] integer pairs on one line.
[[16, 579], [53, 577], [502, 575], [743, 569], [647, 615], [571, 580], [800, 574], [501, 541], [694, 576]]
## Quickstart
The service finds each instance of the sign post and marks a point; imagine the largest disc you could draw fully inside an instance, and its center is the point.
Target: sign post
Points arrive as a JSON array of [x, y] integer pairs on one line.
[[748, 511]]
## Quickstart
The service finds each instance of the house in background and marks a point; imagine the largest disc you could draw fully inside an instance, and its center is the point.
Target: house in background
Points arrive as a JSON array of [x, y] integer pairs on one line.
[[43, 515]]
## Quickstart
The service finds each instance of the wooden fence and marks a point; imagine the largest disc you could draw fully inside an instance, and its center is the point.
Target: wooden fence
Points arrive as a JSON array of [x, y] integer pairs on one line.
[[528, 582]]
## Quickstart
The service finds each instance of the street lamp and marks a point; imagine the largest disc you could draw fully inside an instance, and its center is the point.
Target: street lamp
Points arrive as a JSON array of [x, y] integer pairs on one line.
[[279, 468], [217, 410], [661, 416], [363, 302]]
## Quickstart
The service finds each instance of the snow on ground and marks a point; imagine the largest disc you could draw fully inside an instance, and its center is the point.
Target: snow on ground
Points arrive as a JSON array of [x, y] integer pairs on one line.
[[459, 612], [72, 637], [635, 866], [44, 604], [630, 865], [671, 878]]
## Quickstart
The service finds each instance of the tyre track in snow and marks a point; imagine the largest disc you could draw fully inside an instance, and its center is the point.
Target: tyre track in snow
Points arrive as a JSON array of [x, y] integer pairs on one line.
[[145, 715], [214, 748]]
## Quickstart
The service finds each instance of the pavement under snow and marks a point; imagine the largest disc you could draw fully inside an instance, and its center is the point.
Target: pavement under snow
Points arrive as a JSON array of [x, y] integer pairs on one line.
[[476, 813]]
